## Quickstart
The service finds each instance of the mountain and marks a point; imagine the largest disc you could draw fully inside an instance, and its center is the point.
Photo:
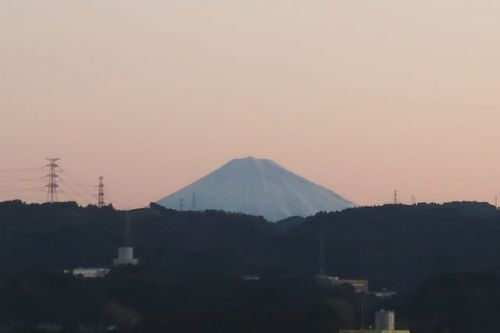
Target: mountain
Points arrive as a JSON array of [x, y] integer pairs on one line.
[[256, 187]]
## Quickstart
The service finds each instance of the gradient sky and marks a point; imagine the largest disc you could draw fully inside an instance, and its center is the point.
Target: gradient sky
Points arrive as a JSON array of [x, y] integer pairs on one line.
[[359, 96]]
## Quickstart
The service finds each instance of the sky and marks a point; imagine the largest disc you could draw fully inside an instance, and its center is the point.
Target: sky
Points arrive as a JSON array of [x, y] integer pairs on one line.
[[360, 96]]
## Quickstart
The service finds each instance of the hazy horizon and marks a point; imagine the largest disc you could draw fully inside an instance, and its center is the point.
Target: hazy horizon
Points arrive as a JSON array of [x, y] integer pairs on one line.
[[361, 97]]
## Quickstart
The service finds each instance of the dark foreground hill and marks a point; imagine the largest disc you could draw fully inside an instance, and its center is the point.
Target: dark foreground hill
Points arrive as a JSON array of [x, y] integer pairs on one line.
[[393, 246], [132, 300], [137, 300], [458, 303]]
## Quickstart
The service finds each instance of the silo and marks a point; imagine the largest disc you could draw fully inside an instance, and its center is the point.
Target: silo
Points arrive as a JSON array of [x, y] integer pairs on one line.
[[384, 320], [125, 257]]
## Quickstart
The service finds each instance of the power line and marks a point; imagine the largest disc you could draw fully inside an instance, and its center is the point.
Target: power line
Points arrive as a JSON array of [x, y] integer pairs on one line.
[[79, 191], [66, 189], [20, 170], [68, 176], [19, 180], [30, 189]]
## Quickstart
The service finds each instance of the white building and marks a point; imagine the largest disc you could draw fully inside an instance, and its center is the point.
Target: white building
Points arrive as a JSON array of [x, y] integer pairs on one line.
[[90, 272], [125, 257], [384, 320]]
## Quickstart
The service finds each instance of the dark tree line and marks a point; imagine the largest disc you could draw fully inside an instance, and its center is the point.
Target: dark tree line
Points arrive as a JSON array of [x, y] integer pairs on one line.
[[394, 246]]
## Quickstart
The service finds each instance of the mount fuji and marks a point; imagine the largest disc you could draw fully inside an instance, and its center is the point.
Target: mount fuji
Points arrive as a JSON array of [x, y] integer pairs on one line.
[[256, 187]]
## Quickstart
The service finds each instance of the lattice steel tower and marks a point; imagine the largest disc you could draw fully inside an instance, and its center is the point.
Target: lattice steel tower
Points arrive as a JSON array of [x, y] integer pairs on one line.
[[100, 194], [52, 186]]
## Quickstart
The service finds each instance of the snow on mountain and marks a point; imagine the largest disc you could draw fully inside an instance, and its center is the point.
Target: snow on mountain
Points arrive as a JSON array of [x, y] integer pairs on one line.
[[256, 187]]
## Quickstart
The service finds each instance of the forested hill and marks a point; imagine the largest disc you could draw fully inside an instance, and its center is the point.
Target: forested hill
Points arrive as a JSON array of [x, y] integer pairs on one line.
[[394, 246]]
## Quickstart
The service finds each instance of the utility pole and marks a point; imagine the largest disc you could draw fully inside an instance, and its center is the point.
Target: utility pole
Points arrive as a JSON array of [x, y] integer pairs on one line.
[[321, 261], [52, 186], [100, 194]]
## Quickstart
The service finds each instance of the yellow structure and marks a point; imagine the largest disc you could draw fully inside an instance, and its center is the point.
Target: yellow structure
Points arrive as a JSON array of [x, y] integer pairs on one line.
[[374, 331], [385, 322], [360, 286]]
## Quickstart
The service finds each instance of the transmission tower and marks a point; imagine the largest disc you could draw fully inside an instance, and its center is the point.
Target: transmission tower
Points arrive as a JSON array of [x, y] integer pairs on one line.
[[52, 186], [100, 194], [395, 197], [181, 204]]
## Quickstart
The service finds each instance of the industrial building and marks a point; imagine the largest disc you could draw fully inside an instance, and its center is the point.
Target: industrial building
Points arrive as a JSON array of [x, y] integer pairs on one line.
[[88, 273], [359, 285], [125, 257], [385, 322], [91, 273]]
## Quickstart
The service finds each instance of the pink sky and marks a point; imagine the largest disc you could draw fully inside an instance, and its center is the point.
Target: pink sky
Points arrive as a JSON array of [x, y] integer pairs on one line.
[[359, 96]]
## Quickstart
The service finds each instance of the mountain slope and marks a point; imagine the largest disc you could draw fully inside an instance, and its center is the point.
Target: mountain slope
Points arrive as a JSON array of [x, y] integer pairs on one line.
[[256, 187]]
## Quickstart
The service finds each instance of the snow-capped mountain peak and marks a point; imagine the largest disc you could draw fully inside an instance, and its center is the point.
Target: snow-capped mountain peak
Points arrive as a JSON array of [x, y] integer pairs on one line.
[[256, 187]]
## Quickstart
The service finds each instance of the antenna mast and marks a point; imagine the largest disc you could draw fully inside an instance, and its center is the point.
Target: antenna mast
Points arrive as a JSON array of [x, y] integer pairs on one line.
[[52, 186], [100, 194], [322, 270]]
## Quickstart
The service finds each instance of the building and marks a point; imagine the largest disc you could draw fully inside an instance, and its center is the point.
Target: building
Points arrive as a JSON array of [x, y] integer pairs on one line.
[[250, 278], [360, 286], [374, 331], [384, 293], [384, 323], [125, 257], [384, 320], [90, 273]]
